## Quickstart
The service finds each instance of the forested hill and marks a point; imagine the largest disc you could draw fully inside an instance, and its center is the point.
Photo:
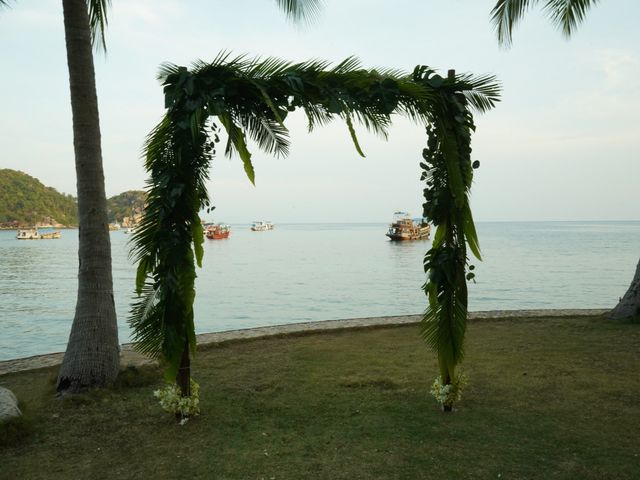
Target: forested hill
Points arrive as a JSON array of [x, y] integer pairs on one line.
[[25, 201], [127, 204]]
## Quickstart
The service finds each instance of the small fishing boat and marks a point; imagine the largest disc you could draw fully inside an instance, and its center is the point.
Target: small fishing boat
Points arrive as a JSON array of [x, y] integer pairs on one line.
[[217, 232], [261, 226], [404, 227], [34, 234]]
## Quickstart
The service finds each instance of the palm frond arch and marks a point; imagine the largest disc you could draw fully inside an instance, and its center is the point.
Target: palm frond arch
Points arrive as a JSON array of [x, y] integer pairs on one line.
[[252, 98]]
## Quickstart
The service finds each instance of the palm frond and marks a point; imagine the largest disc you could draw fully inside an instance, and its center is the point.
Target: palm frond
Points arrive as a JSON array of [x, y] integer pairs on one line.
[[301, 10], [349, 64], [484, 91], [146, 321], [564, 14], [165, 70], [98, 22], [271, 136], [443, 328], [237, 143], [505, 15], [568, 14]]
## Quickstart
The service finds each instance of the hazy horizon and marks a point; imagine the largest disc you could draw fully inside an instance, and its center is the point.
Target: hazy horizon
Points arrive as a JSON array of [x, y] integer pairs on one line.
[[561, 146]]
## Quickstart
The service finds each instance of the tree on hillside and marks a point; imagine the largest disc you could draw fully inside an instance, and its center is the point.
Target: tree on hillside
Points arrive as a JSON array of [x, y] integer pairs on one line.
[[92, 358], [566, 15]]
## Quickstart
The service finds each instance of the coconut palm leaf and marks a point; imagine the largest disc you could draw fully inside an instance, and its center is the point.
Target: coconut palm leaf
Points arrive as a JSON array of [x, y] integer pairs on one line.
[[568, 14], [300, 10], [564, 14], [444, 322], [98, 22], [484, 90]]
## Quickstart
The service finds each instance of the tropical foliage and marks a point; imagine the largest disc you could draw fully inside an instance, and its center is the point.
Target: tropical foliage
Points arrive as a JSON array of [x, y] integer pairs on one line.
[[566, 15], [25, 201], [448, 174], [251, 98]]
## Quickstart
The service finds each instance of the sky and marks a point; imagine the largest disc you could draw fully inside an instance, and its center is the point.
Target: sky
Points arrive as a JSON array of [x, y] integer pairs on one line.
[[562, 145]]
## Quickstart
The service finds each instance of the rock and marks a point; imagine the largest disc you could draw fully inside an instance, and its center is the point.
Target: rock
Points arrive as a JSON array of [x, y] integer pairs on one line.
[[8, 405]]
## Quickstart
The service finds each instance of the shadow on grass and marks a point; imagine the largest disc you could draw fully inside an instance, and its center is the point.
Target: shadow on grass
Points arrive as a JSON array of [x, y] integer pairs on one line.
[[16, 431]]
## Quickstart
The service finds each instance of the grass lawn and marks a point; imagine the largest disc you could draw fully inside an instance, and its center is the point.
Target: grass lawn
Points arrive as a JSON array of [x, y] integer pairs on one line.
[[547, 399]]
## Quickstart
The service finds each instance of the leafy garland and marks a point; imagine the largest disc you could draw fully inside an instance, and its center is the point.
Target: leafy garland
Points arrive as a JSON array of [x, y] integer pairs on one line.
[[447, 171], [252, 97]]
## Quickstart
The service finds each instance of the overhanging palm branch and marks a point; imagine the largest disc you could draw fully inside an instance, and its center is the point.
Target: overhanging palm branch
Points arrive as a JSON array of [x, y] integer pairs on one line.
[[564, 14], [300, 10], [98, 21]]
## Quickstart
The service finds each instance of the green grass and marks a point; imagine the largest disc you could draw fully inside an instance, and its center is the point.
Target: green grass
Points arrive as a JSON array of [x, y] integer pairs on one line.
[[547, 399]]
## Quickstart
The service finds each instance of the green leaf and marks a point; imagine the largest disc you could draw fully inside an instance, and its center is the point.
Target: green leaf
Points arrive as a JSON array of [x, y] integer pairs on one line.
[[352, 132], [141, 274], [269, 103], [441, 231], [456, 185], [470, 233], [198, 239], [237, 138]]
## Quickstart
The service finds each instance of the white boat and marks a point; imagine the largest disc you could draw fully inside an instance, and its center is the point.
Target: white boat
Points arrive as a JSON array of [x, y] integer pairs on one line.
[[261, 226], [34, 234]]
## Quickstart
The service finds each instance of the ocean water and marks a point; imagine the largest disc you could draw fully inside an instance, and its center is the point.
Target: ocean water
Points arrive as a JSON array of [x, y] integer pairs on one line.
[[306, 272]]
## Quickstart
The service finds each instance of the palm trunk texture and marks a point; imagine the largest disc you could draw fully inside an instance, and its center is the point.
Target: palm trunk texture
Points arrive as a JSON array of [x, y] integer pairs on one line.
[[92, 355], [629, 305]]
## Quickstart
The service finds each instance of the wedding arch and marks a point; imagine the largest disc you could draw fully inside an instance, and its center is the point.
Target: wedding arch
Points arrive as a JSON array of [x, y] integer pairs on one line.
[[251, 98]]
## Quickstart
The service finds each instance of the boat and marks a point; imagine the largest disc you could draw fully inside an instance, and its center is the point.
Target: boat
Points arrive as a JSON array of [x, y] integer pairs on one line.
[[131, 230], [34, 234], [404, 227], [261, 226], [217, 232]]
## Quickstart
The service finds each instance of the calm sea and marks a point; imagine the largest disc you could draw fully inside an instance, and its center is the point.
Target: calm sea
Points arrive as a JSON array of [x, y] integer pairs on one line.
[[299, 273]]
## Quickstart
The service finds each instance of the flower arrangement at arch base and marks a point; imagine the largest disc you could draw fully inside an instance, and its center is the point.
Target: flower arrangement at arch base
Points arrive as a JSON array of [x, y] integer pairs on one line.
[[184, 407], [448, 394]]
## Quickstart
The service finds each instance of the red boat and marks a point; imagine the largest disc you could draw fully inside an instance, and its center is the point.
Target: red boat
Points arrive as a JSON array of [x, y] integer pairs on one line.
[[217, 232]]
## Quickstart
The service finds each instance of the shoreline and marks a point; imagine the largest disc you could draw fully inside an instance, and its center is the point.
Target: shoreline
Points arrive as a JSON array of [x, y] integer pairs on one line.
[[129, 357]]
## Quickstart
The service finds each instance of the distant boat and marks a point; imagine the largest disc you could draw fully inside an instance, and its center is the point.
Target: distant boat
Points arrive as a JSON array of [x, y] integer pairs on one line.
[[217, 232], [131, 230], [261, 226], [34, 234], [404, 227]]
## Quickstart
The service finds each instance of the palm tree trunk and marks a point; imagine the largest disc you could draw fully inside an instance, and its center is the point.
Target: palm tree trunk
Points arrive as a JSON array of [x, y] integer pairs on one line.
[[629, 305], [92, 355]]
